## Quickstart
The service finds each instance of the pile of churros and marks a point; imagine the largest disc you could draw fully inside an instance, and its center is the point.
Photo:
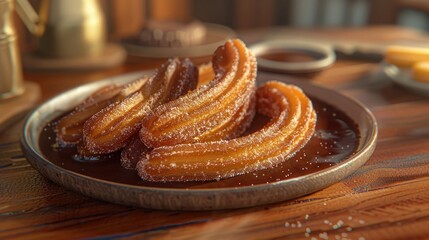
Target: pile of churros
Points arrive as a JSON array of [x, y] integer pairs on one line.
[[186, 123]]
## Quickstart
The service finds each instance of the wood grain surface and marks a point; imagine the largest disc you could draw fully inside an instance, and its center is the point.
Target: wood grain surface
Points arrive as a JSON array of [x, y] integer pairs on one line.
[[388, 198]]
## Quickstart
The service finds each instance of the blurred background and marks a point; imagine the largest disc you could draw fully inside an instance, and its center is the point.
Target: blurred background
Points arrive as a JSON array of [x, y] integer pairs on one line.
[[126, 18]]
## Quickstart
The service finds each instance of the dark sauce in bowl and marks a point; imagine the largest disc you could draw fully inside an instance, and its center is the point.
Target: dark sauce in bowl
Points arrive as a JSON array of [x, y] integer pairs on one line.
[[335, 139], [289, 56]]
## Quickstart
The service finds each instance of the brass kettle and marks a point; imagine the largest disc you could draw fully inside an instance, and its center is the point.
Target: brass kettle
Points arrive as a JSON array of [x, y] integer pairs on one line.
[[65, 29]]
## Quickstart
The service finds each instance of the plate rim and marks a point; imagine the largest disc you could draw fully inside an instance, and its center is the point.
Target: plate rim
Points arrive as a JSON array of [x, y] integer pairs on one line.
[[30, 153]]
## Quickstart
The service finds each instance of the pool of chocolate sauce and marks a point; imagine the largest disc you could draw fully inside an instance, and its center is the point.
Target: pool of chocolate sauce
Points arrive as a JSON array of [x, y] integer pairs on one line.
[[336, 138]]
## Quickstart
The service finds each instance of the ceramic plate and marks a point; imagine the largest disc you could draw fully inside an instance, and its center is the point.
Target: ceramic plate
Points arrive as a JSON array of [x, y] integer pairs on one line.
[[403, 77], [296, 178]]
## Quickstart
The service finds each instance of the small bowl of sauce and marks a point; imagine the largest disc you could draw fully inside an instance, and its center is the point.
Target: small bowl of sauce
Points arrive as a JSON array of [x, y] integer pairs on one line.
[[292, 56]]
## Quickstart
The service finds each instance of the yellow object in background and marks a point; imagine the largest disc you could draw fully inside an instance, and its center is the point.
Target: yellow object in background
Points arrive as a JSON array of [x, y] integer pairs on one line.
[[421, 72], [406, 57]]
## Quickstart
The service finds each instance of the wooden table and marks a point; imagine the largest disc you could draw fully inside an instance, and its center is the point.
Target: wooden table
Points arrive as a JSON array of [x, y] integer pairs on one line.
[[388, 198]]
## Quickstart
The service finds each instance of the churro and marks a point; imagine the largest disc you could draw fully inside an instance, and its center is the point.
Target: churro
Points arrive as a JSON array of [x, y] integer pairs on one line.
[[109, 129], [292, 124], [213, 108]]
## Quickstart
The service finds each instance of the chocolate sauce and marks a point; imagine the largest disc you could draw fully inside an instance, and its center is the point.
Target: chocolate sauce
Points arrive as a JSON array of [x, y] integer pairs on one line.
[[336, 138], [289, 56]]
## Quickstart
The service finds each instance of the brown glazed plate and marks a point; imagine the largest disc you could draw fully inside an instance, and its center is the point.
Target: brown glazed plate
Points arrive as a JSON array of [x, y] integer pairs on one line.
[[308, 171]]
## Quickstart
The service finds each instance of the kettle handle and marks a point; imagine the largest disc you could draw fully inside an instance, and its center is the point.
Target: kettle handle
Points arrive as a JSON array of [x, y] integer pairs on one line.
[[29, 16]]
